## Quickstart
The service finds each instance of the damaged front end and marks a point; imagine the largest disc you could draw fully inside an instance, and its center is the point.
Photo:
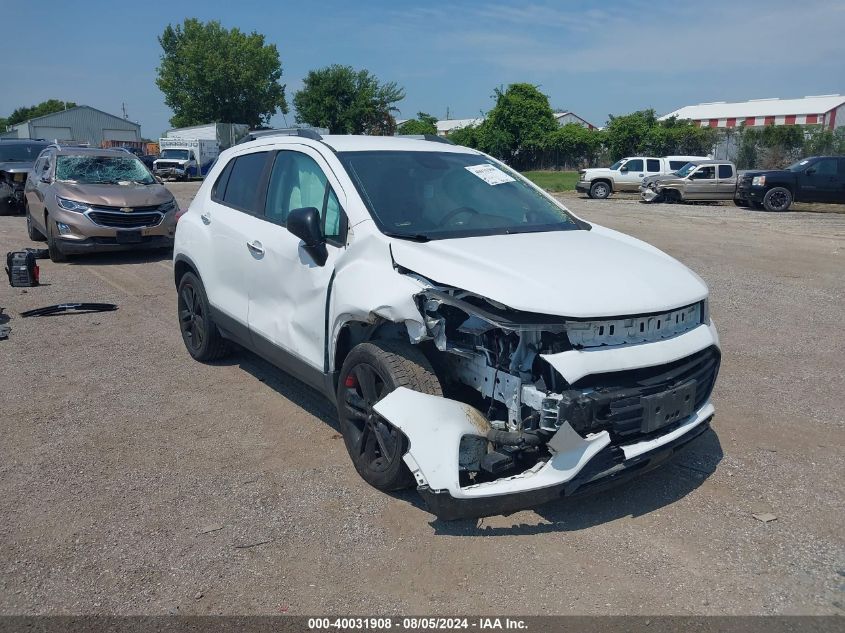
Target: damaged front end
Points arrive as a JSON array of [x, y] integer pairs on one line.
[[568, 404]]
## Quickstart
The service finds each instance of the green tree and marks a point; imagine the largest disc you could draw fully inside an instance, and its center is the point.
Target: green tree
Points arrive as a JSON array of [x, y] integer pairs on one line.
[[25, 113], [467, 136], [517, 126], [347, 101], [573, 144], [209, 73], [423, 124], [626, 134]]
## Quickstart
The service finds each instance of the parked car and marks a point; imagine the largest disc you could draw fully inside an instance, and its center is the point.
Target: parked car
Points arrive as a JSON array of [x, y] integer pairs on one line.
[[436, 297], [92, 200], [627, 174], [697, 180], [813, 179], [16, 159]]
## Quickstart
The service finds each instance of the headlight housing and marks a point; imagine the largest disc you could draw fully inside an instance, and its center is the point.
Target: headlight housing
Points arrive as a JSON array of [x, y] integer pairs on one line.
[[758, 181], [167, 207], [71, 205]]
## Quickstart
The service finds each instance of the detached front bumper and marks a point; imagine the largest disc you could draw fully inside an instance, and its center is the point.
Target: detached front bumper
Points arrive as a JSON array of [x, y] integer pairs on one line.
[[579, 462]]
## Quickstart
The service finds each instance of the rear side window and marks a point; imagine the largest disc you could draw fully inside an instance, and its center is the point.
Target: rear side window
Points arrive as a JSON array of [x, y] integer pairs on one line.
[[726, 171], [652, 164], [219, 187], [675, 165], [242, 188], [826, 167]]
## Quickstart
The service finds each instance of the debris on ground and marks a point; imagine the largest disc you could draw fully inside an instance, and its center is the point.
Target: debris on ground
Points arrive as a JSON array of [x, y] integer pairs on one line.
[[765, 517]]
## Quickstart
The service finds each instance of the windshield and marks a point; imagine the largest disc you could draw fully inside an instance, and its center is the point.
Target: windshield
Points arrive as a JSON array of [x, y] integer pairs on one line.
[[102, 169], [177, 154], [801, 165], [19, 152], [686, 169], [617, 164], [439, 195]]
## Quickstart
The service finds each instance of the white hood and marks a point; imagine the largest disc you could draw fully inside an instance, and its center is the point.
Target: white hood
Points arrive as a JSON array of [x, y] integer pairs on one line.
[[580, 274]]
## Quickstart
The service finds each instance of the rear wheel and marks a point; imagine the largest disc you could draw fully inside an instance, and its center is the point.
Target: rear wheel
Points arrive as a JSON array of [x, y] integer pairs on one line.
[[370, 372], [56, 253], [777, 199], [199, 331], [600, 190]]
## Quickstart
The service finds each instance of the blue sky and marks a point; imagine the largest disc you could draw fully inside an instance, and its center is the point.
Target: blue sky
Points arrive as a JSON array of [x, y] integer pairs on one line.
[[594, 58]]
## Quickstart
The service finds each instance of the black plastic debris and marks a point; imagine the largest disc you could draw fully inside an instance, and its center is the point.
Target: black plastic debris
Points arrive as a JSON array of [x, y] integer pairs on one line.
[[62, 308]]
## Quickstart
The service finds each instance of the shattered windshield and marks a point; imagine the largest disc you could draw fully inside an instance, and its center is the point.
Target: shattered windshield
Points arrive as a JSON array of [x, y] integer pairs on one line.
[[438, 195], [175, 154], [686, 169], [102, 170], [19, 152]]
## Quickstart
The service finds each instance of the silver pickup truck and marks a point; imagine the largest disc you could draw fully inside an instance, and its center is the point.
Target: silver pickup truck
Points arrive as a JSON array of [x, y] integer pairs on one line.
[[697, 180]]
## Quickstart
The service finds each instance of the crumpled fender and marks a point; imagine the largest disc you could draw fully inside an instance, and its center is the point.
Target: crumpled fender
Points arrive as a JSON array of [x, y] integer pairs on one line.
[[366, 277], [434, 427]]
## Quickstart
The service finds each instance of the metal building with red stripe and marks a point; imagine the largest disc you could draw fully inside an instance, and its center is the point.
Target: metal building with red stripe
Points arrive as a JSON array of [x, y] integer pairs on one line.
[[826, 110]]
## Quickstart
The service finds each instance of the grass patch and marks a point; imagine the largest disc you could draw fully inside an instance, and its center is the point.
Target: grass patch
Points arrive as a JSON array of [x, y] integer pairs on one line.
[[553, 180]]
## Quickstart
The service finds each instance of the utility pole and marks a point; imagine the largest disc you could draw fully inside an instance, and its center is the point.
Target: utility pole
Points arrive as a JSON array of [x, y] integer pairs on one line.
[[125, 116]]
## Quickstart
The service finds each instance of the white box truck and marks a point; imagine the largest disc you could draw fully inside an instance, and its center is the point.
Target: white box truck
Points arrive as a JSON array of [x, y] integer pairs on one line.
[[185, 158]]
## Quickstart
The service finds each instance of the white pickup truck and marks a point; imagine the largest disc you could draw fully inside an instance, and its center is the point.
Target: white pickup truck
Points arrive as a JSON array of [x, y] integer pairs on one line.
[[627, 174]]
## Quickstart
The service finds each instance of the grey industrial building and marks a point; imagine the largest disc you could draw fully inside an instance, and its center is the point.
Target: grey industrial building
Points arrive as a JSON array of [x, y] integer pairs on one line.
[[82, 124]]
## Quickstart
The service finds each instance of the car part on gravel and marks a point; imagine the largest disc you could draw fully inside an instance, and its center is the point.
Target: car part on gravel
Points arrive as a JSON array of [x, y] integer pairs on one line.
[[39, 253], [4, 329], [22, 270], [61, 308]]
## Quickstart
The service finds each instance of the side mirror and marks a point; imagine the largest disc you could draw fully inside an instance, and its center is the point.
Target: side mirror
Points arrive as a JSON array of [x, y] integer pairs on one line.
[[810, 171], [159, 180], [623, 169], [46, 178], [304, 223]]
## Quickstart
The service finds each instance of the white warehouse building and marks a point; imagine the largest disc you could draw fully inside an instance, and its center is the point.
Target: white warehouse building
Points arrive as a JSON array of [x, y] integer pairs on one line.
[[826, 110]]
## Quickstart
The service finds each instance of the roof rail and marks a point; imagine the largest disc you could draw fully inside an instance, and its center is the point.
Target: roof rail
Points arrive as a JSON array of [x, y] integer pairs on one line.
[[306, 132], [427, 137]]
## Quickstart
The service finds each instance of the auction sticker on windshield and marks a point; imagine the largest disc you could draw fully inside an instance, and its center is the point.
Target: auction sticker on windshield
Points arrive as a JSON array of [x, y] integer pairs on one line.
[[490, 174]]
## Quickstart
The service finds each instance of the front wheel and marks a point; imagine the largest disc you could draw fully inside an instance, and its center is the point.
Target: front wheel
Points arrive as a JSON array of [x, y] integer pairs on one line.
[[53, 248], [777, 199], [600, 190], [370, 372], [33, 233]]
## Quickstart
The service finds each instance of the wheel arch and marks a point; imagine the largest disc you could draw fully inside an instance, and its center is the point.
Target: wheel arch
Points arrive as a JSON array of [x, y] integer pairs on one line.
[[183, 264]]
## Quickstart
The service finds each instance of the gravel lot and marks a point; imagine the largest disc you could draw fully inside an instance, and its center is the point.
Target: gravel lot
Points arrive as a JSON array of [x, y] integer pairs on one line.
[[136, 481]]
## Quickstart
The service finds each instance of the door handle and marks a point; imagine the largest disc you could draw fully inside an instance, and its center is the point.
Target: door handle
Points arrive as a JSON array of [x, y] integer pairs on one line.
[[255, 247], [206, 218]]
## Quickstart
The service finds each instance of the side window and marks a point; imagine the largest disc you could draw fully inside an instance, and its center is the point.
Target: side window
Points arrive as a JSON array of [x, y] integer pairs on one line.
[[296, 182], [653, 165], [242, 187], [826, 167], [333, 218], [675, 165], [708, 172], [635, 165], [726, 171], [219, 187]]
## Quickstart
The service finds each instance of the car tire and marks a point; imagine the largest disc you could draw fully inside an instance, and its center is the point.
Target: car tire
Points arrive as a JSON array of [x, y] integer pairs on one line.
[[600, 190], [33, 233], [777, 199], [741, 203], [371, 371], [200, 334], [53, 248]]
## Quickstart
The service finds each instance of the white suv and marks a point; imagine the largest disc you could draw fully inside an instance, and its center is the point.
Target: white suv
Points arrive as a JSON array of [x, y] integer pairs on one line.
[[480, 340]]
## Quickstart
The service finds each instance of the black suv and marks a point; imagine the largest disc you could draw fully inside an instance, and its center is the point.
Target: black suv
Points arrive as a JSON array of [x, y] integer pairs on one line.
[[16, 159], [814, 179]]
